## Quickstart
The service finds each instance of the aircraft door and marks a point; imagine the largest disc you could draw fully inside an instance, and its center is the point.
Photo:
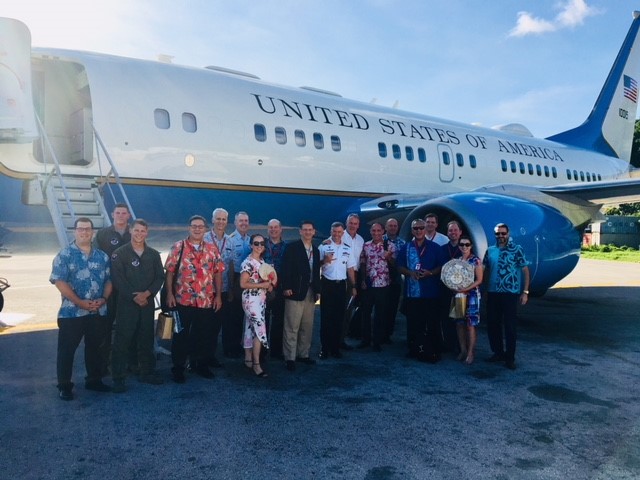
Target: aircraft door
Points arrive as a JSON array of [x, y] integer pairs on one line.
[[445, 162], [17, 121]]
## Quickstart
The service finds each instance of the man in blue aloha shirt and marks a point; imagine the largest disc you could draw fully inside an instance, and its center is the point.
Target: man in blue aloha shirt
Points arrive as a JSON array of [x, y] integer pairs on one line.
[[82, 275], [508, 284]]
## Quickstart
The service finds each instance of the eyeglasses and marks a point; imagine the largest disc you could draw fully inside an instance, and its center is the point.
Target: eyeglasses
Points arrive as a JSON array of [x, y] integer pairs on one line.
[[83, 229], [418, 228], [502, 234], [258, 244], [197, 227], [464, 244]]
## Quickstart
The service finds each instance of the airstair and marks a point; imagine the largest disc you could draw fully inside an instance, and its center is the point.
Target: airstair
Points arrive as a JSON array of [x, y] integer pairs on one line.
[[71, 196]]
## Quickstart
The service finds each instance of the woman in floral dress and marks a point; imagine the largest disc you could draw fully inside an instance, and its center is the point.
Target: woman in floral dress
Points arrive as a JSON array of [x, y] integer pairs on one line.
[[466, 327], [254, 300]]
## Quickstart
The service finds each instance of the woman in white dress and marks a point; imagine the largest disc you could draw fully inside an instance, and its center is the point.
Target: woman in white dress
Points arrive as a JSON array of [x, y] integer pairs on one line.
[[254, 300]]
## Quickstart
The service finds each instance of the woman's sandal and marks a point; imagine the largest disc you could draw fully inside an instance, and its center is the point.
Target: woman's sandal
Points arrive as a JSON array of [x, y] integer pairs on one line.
[[262, 373], [248, 363]]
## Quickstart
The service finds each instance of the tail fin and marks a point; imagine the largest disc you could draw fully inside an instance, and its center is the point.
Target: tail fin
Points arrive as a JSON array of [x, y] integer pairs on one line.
[[610, 125]]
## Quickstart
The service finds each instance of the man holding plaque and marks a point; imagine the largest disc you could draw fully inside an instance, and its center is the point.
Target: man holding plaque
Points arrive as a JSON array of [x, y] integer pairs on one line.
[[508, 274]]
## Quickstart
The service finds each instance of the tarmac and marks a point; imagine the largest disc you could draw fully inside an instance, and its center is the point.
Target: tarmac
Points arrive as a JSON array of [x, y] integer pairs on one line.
[[569, 411]]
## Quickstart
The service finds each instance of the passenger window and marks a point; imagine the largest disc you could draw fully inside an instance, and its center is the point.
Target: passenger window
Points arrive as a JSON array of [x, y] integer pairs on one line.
[[503, 164], [318, 141], [568, 174], [538, 170], [422, 155], [335, 143], [546, 171], [554, 172], [588, 177], [397, 154], [281, 135], [189, 123], [260, 132], [521, 165], [460, 160], [445, 158], [161, 118], [382, 149], [575, 175], [581, 176], [473, 162], [409, 153], [301, 139], [530, 168], [514, 169]]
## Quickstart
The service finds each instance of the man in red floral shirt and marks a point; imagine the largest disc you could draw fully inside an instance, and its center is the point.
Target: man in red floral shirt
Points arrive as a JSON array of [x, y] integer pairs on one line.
[[194, 287], [377, 255]]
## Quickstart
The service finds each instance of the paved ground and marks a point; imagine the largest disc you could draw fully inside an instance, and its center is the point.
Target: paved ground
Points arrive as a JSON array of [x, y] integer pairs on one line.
[[570, 410]]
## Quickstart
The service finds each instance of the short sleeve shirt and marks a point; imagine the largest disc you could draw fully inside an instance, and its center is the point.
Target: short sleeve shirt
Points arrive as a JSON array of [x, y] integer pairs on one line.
[[505, 268], [343, 259], [86, 274], [376, 266]]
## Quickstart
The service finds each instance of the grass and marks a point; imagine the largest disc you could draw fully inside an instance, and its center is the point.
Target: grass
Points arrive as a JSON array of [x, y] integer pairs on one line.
[[612, 253]]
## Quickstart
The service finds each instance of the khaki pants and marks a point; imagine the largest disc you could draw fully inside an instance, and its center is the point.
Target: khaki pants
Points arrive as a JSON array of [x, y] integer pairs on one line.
[[298, 327]]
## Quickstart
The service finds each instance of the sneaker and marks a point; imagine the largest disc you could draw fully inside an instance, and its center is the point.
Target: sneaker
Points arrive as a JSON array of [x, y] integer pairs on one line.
[[291, 365], [118, 386], [66, 394], [151, 379], [97, 386]]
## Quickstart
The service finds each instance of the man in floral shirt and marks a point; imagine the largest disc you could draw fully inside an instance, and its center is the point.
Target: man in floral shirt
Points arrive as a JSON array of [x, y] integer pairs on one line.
[[376, 257], [194, 286]]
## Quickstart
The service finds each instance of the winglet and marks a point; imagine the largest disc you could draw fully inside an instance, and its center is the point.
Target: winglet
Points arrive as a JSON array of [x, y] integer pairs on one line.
[[610, 125]]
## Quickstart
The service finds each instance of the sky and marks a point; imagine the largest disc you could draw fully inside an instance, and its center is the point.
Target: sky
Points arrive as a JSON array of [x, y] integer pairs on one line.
[[539, 63]]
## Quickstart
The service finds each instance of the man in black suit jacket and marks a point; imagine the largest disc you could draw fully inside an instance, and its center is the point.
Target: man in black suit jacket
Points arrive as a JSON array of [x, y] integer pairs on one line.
[[301, 289]]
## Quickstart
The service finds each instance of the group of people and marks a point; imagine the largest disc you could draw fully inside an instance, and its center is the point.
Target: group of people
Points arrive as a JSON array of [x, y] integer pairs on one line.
[[258, 292]]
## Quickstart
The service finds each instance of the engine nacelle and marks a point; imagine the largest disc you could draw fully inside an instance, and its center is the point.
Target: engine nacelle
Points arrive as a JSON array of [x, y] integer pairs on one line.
[[551, 243]]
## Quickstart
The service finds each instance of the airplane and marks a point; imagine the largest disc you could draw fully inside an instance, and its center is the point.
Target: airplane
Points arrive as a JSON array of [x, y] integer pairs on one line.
[[178, 140]]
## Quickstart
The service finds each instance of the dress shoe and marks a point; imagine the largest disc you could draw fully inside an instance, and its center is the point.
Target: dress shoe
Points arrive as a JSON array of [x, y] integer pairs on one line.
[[178, 377], [97, 386], [495, 358], [215, 363], [66, 394], [204, 371], [151, 379], [291, 365], [346, 346], [119, 386], [336, 354], [306, 361], [510, 364], [323, 355]]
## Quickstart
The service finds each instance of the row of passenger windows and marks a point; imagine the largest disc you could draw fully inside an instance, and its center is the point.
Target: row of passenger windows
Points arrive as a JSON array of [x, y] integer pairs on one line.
[[163, 120], [299, 136], [409, 154], [539, 170]]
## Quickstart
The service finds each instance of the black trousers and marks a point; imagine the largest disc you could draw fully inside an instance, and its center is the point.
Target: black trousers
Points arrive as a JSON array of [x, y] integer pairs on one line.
[[502, 312], [374, 300], [233, 324], [212, 331], [423, 315], [70, 333], [274, 316], [333, 304], [395, 290], [192, 341]]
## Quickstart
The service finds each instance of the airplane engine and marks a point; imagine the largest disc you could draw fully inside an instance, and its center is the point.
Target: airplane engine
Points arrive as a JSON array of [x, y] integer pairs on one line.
[[550, 241]]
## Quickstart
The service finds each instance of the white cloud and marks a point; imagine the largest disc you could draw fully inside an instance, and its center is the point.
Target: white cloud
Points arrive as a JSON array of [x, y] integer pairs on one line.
[[572, 14]]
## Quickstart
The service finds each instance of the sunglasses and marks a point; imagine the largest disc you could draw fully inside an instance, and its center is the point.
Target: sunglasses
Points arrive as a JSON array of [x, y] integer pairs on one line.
[[417, 228], [258, 244], [502, 234], [464, 244], [197, 227]]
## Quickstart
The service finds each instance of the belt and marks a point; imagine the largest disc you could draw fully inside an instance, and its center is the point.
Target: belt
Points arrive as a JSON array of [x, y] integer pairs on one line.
[[333, 281]]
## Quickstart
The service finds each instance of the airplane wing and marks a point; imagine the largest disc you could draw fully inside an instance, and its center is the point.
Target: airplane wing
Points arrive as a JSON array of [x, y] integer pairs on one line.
[[601, 193]]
